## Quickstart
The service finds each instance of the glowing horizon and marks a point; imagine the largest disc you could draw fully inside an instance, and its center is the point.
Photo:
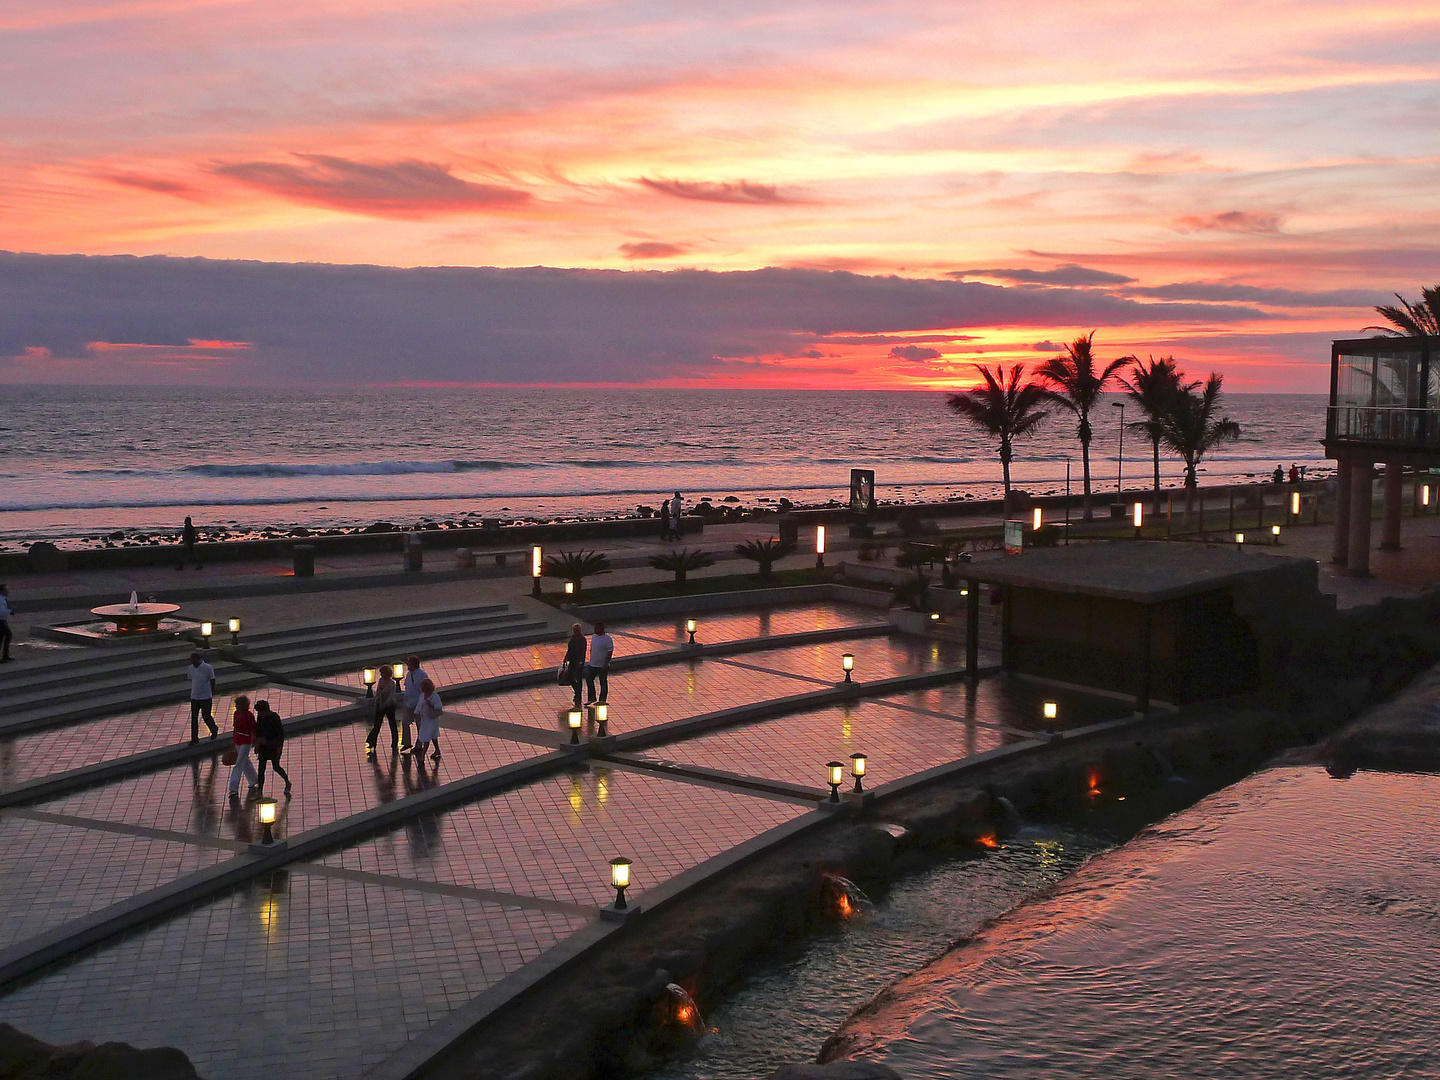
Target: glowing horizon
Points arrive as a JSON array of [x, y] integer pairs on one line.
[[1273, 167]]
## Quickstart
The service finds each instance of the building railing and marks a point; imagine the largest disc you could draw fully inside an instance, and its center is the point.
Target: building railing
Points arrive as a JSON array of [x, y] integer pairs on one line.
[[1397, 427]]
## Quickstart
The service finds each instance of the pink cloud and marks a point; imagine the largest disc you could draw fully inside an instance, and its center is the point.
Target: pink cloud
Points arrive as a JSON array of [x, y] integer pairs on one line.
[[1234, 221], [652, 249], [740, 191]]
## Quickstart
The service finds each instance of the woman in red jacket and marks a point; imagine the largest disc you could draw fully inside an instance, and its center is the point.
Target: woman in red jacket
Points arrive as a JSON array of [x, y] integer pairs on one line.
[[244, 745]]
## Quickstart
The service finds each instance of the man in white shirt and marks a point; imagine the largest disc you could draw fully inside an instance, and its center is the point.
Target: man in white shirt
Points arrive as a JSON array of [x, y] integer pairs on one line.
[[202, 696], [677, 507], [602, 648], [410, 696], [5, 635]]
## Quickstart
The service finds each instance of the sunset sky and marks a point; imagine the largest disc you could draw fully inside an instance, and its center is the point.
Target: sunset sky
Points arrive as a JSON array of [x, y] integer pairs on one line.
[[1236, 184]]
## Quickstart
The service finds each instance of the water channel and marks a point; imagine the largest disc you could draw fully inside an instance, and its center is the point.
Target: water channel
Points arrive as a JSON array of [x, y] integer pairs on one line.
[[1286, 925]]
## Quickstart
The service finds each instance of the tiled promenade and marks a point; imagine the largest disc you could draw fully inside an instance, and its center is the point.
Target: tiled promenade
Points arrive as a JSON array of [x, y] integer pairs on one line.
[[342, 957]]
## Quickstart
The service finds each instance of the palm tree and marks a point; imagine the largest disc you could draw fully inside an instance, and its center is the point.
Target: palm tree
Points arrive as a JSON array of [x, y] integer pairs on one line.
[[764, 553], [1076, 382], [1190, 429], [1412, 320], [681, 562], [576, 566], [1005, 409], [1152, 389]]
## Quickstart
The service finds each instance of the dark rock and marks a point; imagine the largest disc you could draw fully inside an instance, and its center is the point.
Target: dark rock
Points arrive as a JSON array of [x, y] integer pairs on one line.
[[116, 535], [299, 530], [23, 1057], [45, 557], [839, 1070], [379, 527], [731, 498]]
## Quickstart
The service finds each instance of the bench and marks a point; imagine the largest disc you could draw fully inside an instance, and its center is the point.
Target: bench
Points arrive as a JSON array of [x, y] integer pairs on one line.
[[465, 557]]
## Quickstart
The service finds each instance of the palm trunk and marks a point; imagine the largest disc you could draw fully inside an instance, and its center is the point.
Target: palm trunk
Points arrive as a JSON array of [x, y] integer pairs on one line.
[[1156, 444], [1005, 468], [1088, 513]]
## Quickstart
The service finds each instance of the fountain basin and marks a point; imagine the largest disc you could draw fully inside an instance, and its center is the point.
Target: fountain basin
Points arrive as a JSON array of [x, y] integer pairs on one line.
[[135, 618]]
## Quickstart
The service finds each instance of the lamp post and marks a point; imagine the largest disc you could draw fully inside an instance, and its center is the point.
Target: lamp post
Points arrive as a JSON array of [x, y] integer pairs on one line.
[[369, 677], [819, 547], [267, 820], [536, 558], [1037, 520], [857, 769], [1295, 508], [1137, 512], [1120, 456], [834, 775], [847, 664], [620, 880], [690, 629], [234, 631], [573, 718], [1067, 501]]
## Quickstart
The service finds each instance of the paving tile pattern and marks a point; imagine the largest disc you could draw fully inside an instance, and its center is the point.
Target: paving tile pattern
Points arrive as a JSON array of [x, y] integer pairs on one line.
[[449, 670], [555, 838], [794, 749], [331, 777], [875, 658], [336, 974], [1016, 703], [50, 873], [43, 753], [736, 625], [644, 698]]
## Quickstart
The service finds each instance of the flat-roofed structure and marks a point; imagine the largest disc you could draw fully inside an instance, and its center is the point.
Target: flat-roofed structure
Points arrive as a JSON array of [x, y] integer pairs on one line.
[[1179, 622], [1384, 410]]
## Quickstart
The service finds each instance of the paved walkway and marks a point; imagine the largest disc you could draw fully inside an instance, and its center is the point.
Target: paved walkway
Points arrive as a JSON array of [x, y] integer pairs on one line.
[[402, 903]]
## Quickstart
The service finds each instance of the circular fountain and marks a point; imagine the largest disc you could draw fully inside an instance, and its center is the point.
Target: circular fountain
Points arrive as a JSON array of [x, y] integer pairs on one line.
[[122, 622], [133, 618]]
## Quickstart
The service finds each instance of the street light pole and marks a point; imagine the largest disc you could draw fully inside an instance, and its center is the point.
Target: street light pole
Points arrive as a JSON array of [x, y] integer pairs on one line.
[[1120, 465]]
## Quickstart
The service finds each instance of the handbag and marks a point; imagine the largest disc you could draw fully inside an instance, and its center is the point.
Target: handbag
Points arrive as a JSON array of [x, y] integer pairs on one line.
[[562, 674], [229, 757]]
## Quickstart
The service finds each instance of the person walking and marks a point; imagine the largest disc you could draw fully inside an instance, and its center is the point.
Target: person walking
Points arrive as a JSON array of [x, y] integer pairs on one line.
[[244, 729], [387, 698], [427, 732], [410, 699], [677, 507], [269, 742], [202, 697], [665, 520], [602, 649], [575, 660], [6, 637], [188, 539]]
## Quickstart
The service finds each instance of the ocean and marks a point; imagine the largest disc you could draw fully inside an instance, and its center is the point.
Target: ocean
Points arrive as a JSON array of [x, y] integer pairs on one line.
[[79, 463]]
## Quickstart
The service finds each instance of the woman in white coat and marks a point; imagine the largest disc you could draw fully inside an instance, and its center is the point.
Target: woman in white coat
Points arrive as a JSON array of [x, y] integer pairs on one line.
[[428, 715]]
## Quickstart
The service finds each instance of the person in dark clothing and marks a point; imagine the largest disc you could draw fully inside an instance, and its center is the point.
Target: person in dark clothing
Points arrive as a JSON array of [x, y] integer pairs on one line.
[[387, 698], [269, 742], [188, 539], [6, 636], [575, 660]]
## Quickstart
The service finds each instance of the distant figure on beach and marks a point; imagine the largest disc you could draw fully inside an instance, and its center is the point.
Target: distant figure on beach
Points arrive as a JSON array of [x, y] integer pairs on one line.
[[387, 698], [6, 637], [677, 507], [1278, 475], [1294, 473], [428, 712], [202, 696], [665, 520], [188, 539], [410, 699], [602, 649], [575, 660], [269, 742], [244, 729]]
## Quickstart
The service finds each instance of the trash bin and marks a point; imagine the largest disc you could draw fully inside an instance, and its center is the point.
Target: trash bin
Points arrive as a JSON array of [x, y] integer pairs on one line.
[[304, 556], [789, 528], [414, 553], [464, 559]]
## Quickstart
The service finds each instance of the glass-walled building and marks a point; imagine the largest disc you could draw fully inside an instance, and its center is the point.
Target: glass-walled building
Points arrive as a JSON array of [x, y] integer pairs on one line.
[[1384, 410]]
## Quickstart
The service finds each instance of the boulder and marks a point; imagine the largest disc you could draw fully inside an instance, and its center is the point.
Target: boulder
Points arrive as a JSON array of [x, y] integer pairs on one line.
[[24, 1057], [45, 557]]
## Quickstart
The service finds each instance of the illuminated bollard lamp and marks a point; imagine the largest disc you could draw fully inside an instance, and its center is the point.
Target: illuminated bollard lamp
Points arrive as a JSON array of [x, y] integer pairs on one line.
[[234, 631], [819, 547], [620, 909], [206, 629], [1239, 541], [602, 719], [369, 679], [1275, 534], [690, 627], [397, 671], [847, 664], [537, 558], [834, 776], [857, 770], [266, 810], [573, 719]]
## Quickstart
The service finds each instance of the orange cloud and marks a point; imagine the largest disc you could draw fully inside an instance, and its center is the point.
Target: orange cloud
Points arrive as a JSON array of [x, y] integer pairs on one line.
[[741, 191]]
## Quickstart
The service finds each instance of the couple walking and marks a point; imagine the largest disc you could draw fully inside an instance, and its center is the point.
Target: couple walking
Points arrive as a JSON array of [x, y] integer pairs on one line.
[[589, 664], [670, 512], [416, 703], [263, 732]]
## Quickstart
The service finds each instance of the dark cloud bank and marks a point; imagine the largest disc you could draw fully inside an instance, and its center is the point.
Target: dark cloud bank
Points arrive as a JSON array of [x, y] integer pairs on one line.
[[318, 323]]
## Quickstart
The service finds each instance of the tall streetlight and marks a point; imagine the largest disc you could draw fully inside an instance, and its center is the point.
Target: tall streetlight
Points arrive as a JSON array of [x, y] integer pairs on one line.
[[1120, 465]]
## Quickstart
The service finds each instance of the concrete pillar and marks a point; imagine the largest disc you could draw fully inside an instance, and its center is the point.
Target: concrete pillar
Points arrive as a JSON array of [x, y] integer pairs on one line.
[[1340, 553], [1394, 501], [1362, 501]]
